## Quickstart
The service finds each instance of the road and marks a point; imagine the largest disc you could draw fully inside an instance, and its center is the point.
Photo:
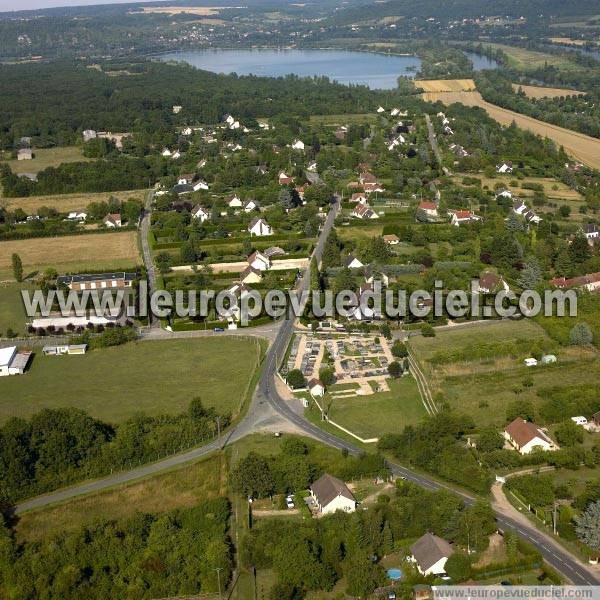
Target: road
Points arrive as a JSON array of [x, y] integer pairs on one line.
[[147, 254], [269, 407], [434, 145]]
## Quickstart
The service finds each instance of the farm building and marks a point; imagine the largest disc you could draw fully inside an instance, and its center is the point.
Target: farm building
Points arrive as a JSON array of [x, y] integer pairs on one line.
[[98, 281], [13, 362]]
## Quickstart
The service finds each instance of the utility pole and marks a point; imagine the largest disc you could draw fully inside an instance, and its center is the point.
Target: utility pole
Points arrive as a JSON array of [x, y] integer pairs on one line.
[[218, 570]]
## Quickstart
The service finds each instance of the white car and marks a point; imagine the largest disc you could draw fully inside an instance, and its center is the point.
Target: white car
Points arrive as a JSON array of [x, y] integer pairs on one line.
[[290, 505]]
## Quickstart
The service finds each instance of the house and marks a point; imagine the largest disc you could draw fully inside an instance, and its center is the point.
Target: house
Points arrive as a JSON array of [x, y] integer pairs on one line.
[[504, 194], [77, 216], [359, 197], [381, 110], [185, 178], [364, 211], [591, 232], [166, 153], [199, 185], [112, 220], [428, 209], [298, 145], [89, 134], [331, 494], [490, 282], [97, 281], [391, 240], [589, 283], [259, 227], [372, 275], [251, 275], [366, 177], [316, 387], [519, 207], [64, 349], [200, 213], [24, 154], [177, 109], [462, 217], [430, 554], [505, 167], [274, 251], [285, 179], [525, 436], [372, 188], [312, 166], [239, 290], [351, 262], [251, 205], [234, 201], [258, 260], [458, 150], [13, 362]]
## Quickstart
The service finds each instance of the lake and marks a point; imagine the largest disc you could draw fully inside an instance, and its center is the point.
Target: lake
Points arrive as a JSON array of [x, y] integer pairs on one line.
[[481, 62], [377, 71]]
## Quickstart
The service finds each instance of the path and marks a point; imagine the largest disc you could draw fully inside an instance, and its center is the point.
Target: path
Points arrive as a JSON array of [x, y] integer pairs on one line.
[[147, 254]]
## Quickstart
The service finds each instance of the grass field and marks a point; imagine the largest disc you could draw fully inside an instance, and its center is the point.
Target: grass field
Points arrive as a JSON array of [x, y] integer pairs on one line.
[[115, 383], [445, 85], [375, 415], [484, 389], [75, 253], [181, 488], [12, 312], [346, 119], [580, 146], [47, 157], [522, 59], [69, 202], [533, 91]]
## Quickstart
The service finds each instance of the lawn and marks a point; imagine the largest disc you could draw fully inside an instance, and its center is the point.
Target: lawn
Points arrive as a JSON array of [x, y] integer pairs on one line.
[[73, 254], [154, 377], [180, 488], [48, 157], [69, 202], [12, 312], [378, 414], [485, 388]]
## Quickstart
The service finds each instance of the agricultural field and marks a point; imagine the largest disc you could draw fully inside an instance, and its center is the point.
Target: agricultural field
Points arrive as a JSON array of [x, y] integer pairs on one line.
[[201, 11], [479, 370], [76, 253], [534, 91], [12, 311], [522, 59], [47, 157], [381, 413], [581, 147], [136, 377], [69, 202], [445, 85], [338, 120]]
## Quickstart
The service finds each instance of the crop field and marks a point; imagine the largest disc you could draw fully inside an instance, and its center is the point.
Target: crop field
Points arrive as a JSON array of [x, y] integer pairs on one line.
[[445, 85], [582, 147], [47, 157], [534, 91], [12, 311], [522, 59], [69, 202], [201, 11], [75, 253], [113, 384], [484, 387]]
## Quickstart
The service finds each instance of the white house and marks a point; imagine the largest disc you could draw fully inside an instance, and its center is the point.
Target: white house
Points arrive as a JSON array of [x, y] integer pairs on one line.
[[430, 553], [177, 109], [505, 167], [77, 216], [591, 232], [316, 387], [285, 179], [200, 185], [259, 227], [298, 145], [381, 110], [463, 217], [234, 201], [89, 134], [364, 211], [525, 436], [112, 220], [257, 260], [251, 275], [331, 494], [250, 206], [428, 209], [166, 152], [13, 362], [200, 213], [351, 262], [504, 194]]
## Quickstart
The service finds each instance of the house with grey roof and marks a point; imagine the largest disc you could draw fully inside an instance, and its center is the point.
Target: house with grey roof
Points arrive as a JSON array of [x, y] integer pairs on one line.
[[331, 494], [430, 553]]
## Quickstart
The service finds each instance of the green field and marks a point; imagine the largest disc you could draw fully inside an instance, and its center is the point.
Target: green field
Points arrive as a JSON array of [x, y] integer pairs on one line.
[[12, 312], [47, 157], [378, 414], [522, 59], [154, 377]]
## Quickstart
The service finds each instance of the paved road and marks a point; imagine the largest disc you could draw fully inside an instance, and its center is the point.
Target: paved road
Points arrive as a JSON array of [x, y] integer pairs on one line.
[[268, 405]]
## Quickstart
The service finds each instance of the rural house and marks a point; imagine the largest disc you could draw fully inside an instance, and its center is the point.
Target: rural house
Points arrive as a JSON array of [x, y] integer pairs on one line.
[[259, 227], [259, 261], [462, 217], [364, 211], [234, 201], [490, 283], [427, 210], [331, 494], [391, 240], [351, 262], [589, 283], [112, 221], [316, 387], [285, 179], [430, 554], [200, 213], [250, 275], [505, 167], [525, 436]]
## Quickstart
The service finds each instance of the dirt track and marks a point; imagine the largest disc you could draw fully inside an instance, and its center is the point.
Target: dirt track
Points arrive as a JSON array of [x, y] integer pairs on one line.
[[581, 147]]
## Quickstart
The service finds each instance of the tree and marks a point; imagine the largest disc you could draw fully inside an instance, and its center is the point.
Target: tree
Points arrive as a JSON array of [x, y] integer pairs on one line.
[[17, 267], [196, 411], [362, 576], [581, 335], [296, 379], [587, 526], [327, 376], [579, 249], [458, 566], [520, 408], [395, 369], [569, 434], [252, 476], [399, 349], [427, 330], [489, 439], [531, 275], [164, 262]]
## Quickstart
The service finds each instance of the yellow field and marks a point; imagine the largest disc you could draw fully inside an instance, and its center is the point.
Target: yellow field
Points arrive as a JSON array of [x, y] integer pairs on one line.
[[68, 202], [47, 157], [445, 85], [202, 11], [581, 147], [72, 253], [567, 40], [534, 91]]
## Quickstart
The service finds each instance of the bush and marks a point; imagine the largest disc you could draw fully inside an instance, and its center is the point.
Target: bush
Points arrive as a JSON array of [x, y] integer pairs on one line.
[[296, 379], [427, 330]]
